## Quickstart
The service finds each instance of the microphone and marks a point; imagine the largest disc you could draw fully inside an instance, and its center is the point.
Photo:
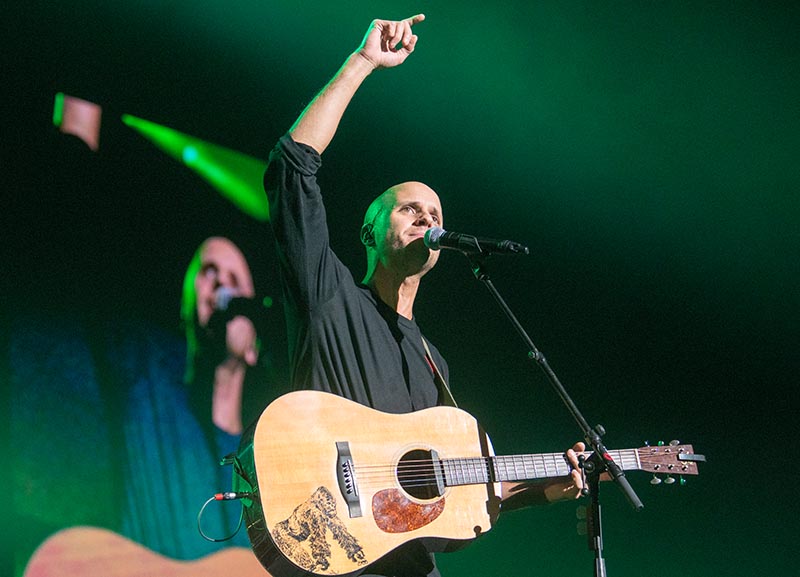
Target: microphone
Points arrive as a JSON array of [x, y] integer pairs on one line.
[[437, 238], [224, 296], [230, 304]]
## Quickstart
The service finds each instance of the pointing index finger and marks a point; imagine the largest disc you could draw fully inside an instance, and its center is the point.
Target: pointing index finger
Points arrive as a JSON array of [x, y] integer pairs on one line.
[[415, 19]]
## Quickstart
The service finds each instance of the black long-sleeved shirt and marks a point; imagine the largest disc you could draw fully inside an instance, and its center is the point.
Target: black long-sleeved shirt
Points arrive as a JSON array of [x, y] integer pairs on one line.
[[342, 338]]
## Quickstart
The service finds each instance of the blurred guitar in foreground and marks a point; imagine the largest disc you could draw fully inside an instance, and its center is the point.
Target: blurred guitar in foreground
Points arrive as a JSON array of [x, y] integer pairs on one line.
[[93, 552]]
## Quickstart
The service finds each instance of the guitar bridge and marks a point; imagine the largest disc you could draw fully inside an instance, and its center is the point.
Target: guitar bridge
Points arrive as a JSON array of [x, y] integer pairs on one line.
[[346, 475]]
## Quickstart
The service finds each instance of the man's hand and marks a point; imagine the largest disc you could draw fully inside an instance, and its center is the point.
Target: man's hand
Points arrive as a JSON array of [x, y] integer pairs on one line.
[[525, 494], [241, 340], [568, 487], [388, 43]]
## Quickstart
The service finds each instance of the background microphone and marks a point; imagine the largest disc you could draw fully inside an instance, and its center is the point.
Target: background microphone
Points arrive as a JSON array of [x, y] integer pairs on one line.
[[230, 301], [230, 304], [436, 238], [223, 296]]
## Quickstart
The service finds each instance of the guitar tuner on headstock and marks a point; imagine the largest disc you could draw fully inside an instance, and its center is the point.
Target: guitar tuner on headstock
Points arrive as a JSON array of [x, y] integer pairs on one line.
[[669, 459], [668, 480], [662, 443]]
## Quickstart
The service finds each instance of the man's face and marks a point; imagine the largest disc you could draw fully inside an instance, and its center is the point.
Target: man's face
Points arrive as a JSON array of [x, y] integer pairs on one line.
[[411, 209], [221, 264]]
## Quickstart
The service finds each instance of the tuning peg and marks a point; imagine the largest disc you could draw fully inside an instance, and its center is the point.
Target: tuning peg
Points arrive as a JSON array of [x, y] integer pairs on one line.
[[655, 480], [669, 480]]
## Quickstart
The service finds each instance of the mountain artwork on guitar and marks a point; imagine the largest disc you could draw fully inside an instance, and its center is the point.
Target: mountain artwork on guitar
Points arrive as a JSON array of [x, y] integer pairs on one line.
[[332, 486]]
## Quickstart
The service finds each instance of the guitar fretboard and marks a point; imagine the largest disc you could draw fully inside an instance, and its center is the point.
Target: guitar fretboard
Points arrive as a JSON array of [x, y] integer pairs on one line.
[[481, 470]]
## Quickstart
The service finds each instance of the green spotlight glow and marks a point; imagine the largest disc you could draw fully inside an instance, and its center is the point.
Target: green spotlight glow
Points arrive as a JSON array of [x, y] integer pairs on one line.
[[58, 109], [237, 176], [190, 155]]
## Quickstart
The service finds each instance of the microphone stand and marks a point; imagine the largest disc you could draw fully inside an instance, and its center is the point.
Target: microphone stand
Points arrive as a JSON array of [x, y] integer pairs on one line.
[[600, 460]]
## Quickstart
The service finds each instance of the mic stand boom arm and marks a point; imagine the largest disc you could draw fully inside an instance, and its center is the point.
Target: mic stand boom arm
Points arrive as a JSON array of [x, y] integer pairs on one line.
[[601, 460]]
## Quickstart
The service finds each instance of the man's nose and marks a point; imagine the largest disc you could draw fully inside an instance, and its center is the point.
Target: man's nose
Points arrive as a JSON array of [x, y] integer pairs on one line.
[[221, 281], [426, 219], [224, 279]]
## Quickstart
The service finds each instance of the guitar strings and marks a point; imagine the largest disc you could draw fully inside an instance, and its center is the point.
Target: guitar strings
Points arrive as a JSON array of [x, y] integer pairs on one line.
[[420, 472]]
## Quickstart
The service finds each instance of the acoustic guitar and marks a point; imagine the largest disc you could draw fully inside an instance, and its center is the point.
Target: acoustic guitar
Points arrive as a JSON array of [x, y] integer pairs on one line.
[[330, 486]]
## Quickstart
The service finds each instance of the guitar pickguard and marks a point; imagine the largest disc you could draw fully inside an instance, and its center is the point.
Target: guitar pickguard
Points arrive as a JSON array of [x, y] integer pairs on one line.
[[395, 513]]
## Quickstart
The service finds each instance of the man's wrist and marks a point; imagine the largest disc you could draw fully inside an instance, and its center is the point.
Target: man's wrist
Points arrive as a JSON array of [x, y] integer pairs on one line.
[[361, 63]]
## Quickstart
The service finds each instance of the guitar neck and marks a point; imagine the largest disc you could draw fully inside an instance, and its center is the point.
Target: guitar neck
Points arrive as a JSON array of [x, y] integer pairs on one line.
[[482, 470]]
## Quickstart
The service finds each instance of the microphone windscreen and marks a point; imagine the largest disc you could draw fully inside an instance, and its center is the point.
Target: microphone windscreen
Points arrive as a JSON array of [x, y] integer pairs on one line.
[[224, 295], [432, 236]]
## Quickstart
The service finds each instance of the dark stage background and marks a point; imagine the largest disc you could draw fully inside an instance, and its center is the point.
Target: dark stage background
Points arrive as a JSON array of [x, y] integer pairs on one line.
[[647, 152]]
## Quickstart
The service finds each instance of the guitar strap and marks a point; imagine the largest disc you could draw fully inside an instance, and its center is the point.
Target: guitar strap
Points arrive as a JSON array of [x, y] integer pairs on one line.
[[444, 390]]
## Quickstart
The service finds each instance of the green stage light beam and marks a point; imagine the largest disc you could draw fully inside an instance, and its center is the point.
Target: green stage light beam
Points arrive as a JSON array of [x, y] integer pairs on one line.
[[237, 176]]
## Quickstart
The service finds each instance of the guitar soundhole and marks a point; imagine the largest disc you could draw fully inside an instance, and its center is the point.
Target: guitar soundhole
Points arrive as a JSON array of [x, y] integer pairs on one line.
[[417, 474]]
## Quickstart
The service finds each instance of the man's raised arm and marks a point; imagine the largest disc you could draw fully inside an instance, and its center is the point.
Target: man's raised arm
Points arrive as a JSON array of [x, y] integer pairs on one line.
[[386, 44]]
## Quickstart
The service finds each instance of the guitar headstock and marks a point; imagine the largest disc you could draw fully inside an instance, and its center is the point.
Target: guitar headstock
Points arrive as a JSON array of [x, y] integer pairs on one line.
[[671, 459]]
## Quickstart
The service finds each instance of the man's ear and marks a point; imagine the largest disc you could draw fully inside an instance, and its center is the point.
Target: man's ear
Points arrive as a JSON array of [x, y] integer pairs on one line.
[[367, 235]]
